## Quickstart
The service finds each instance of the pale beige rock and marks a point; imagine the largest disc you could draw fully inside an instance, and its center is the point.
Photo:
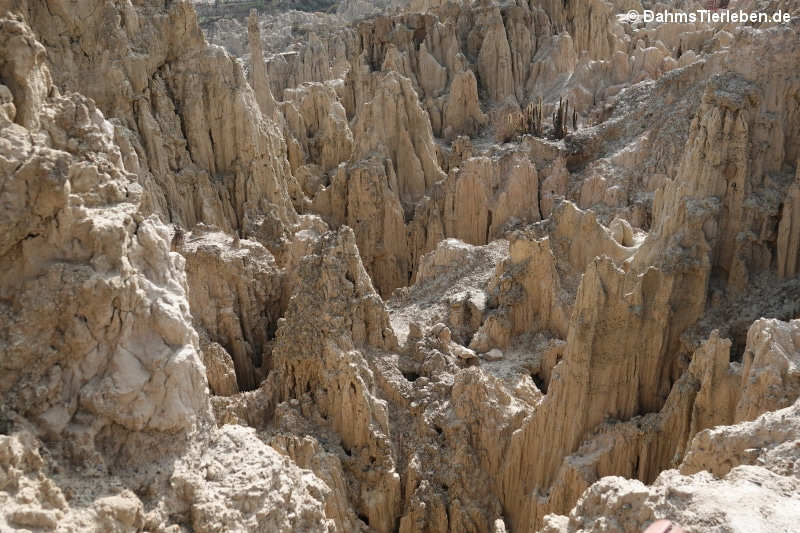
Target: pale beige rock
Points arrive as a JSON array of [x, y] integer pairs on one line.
[[394, 125], [770, 368], [112, 332], [483, 194], [593, 191], [336, 296], [235, 296], [494, 59], [528, 293], [571, 223], [213, 484], [553, 186], [589, 388], [29, 499], [112, 347], [710, 195], [308, 453], [722, 448], [258, 77], [239, 483], [365, 197], [493, 355], [707, 395], [196, 165], [220, 370], [691, 501], [446, 254], [593, 325], [433, 76], [622, 231], [789, 232], [123, 512], [318, 122], [462, 113], [24, 71], [716, 398], [755, 462]]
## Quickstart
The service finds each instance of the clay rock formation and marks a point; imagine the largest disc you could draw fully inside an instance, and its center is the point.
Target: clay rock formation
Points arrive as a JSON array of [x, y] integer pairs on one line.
[[319, 129], [393, 124], [461, 113], [115, 344], [236, 300], [332, 321], [747, 463], [484, 194], [203, 487], [95, 308], [334, 285], [494, 59], [258, 76], [525, 296], [788, 244], [362, 197], [218, 168], [237, 478]]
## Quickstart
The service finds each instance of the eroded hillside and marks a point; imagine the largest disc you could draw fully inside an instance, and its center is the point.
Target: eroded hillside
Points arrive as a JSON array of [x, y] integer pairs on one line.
[[452, 267]]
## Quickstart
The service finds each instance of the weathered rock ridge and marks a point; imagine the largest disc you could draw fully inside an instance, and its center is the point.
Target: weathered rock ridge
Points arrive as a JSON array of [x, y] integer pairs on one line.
[[376, 279]]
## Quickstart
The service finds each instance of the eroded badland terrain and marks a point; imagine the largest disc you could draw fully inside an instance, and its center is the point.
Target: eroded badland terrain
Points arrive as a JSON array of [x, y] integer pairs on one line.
[[415, 267]]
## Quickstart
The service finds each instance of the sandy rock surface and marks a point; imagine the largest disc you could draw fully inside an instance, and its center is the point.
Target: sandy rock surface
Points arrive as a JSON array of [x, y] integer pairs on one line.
[[416, 267]]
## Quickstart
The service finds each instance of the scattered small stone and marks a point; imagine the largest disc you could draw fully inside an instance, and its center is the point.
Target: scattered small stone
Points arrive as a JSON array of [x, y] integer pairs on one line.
[[461, 352], [493, 355]]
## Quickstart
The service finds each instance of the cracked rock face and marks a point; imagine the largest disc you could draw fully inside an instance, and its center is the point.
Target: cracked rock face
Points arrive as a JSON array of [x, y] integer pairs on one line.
[[416, 267]]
